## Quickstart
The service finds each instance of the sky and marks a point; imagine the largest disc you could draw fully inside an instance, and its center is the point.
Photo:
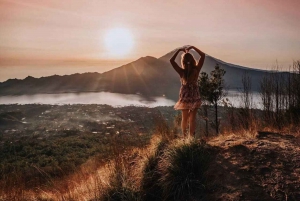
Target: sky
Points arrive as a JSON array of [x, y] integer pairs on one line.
[[44, 37]]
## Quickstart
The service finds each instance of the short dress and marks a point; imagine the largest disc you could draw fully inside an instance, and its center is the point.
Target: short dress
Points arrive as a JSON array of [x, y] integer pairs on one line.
[[189, 96]]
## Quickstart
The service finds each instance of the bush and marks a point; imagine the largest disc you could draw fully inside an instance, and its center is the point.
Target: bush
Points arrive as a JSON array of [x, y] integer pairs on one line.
[[150, 187], [119, 193], [121, 186], [182, 169]]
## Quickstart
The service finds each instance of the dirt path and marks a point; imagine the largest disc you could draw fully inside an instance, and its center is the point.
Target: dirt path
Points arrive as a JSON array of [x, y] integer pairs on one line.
[[266, 167]]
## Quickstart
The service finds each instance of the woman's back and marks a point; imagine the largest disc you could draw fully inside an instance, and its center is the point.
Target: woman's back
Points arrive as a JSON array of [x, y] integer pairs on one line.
[[189, 95], [191, 78]]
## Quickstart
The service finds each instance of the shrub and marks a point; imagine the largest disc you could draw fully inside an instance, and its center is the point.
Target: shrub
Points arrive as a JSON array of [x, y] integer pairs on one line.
[[182, 169], [150, 187], [121, 186], [120, 193]]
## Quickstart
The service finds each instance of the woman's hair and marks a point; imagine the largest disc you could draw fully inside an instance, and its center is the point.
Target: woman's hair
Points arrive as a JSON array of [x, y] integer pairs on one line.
[[187, 62]]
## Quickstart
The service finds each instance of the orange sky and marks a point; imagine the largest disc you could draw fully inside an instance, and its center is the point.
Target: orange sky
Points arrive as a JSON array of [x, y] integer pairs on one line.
[[250, 33]]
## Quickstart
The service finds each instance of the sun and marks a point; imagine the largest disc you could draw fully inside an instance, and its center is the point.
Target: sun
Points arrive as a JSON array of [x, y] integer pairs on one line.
[[118, 41]]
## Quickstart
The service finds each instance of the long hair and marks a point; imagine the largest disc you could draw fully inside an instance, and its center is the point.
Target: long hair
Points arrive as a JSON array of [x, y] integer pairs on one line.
[[187, 62]]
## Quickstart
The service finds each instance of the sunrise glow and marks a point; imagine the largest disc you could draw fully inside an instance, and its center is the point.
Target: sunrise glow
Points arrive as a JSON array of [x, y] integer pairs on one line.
[[105, 35], [118, 41]]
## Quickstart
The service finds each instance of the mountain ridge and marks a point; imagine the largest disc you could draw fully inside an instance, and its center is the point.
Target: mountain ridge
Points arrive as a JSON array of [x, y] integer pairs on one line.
[[148, 75]]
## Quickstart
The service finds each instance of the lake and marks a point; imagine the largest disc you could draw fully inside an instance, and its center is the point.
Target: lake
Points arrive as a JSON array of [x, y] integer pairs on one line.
[[113, 99]]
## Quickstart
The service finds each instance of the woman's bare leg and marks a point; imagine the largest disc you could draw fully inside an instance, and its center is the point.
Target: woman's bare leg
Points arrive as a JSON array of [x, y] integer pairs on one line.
[[192, 122], [184, 121]]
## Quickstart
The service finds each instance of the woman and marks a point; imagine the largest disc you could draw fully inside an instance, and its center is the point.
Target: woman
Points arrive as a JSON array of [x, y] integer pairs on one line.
[[189, 97]]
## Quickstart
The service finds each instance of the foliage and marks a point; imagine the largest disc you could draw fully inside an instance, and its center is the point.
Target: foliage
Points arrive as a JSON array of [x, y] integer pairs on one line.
[[212, 89], [150, 188], [35, 162], [182, 168], [163, 129], [281, 96], [119, 193], [245, 113], [294, 93], [121, 185]]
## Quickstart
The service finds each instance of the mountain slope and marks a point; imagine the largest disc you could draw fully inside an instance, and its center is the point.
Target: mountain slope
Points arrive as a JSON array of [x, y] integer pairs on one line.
[[148, 76], [234, 73]]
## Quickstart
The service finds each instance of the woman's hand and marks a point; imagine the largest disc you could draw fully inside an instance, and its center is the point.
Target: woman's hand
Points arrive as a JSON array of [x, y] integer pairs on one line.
[[190, 47], [202, 54], [182, 49], [173, 62]]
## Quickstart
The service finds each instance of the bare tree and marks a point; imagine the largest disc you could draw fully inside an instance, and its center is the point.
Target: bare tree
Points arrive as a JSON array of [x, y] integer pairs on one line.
[[247, 100], [278, 91], [294, 107], [247, 96], [280, 95], [266, 92]]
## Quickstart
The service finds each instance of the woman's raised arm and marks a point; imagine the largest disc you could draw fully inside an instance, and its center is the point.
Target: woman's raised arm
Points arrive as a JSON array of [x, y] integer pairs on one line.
[[202, 54], [174, 64]]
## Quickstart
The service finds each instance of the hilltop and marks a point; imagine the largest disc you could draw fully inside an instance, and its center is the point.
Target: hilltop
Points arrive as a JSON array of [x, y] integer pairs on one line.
[[231, 167], [263, 167], [85, 152]]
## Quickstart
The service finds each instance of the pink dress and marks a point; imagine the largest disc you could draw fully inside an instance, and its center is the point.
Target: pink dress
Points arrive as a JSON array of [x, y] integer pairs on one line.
[[189, 96]]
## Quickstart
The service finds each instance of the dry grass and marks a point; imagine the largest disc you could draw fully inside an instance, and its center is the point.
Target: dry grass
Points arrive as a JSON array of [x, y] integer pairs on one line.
[[131, 172], [84, 184], [93, 179]]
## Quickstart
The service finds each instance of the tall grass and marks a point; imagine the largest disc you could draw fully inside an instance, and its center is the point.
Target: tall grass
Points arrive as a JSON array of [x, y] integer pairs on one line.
[[171, 170], [121, 186], [182, 167], [150, 188], [166, 169]]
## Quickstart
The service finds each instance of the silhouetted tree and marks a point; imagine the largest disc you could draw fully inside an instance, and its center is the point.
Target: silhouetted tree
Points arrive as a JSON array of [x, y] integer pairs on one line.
[[279, 92], [247, 91], [212, 89], [294, 107], [247, 100], [266, 92], [204, 88], [278, 81]]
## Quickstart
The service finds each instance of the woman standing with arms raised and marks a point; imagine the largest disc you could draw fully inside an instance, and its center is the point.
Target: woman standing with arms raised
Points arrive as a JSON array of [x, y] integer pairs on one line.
[[189, 96]]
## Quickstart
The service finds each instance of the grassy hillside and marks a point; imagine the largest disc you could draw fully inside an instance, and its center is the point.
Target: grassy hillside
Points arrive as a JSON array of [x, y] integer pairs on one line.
[[97, 152], [254, 167]]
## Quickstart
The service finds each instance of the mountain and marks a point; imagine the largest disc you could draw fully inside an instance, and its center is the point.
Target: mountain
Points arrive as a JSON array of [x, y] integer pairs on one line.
[[234, 73], [148, 76]]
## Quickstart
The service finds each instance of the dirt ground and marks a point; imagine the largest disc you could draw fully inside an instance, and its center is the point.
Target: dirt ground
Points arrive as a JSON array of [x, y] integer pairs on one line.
[[264, 167]]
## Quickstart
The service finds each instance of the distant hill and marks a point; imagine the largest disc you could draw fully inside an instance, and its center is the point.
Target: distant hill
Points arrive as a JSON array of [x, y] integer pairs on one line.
[[234, 73], [148, 76]]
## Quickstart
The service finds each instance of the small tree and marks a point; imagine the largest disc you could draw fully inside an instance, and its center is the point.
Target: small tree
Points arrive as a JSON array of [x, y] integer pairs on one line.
[[247, 100], [212, 89], [294, 103], [266, 93], [247, 91], [204, 88]]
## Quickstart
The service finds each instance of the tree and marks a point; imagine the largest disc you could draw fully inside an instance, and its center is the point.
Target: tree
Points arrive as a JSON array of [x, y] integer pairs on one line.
[[280, 95], [266, 93], [204, 88], [247, 91], [294, 102], [247, 100], [212, 89]]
